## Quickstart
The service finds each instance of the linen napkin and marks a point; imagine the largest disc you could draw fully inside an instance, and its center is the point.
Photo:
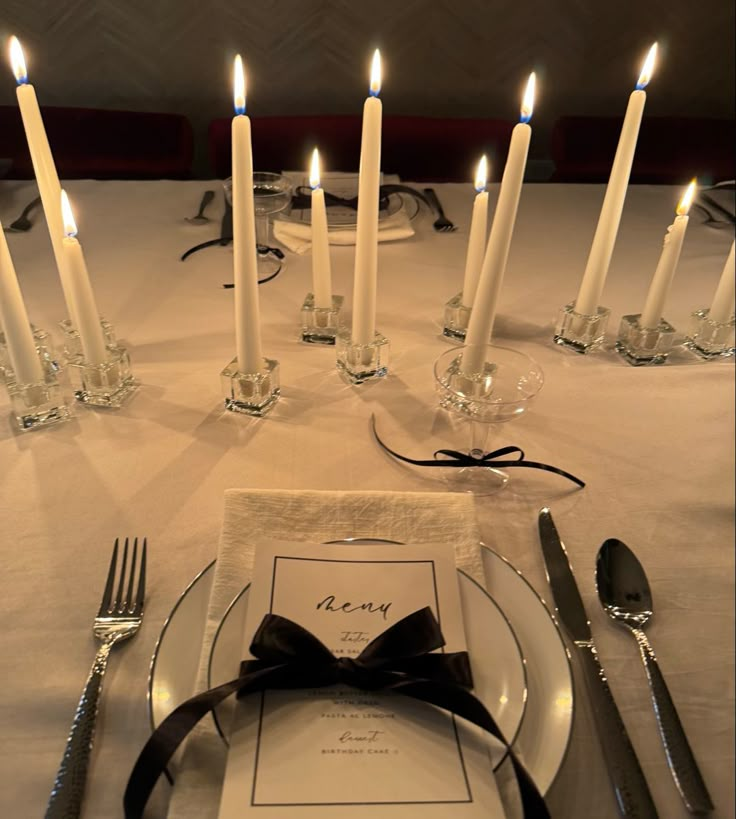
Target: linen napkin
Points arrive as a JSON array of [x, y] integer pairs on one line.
[[297, 236], [306, 515]]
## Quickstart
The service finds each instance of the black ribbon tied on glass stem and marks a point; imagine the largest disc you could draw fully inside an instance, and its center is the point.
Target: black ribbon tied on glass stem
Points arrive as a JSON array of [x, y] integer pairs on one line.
[[460, 460], [290, 657]]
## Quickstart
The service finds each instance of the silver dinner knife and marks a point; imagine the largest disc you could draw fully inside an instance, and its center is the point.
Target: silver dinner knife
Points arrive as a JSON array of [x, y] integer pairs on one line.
[[631, 789]]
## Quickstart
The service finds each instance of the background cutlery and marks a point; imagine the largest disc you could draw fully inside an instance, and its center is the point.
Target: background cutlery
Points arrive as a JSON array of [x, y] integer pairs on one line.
[[625, 595], [226, 227], [23, 223], [119, 618], [442, 223], [631, 789], [199, 218]]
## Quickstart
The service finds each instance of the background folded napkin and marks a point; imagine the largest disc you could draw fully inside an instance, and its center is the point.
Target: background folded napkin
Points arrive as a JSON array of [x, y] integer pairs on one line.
[[410, 517], [297, 236]]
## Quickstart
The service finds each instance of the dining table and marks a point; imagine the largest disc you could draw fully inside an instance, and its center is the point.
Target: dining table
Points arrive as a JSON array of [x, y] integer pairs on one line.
[[653, 444]]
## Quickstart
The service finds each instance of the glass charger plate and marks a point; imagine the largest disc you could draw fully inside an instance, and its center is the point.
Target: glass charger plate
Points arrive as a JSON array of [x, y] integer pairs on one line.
[[543, 736]]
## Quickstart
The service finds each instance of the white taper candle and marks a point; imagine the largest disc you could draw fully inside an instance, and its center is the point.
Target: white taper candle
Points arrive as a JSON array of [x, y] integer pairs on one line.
[[492, 272], [44, 168], [601, 250], [660, 286], [14, 322], [477, 235], [245, 260], [87, 316], [321, 269], [722, 308], [366, 240]]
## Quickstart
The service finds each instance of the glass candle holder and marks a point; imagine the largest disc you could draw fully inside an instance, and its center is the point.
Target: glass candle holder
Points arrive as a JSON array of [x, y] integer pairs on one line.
[[362, 362], [44, 346], [108, 384], [581, 332], [320, 325], [456, 318], [644, 345], [710, 339], [251, 393], [72, 343], [38, 404]]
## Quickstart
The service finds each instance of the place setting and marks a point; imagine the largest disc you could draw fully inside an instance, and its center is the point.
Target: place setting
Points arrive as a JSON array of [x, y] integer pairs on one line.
[[520, 667]]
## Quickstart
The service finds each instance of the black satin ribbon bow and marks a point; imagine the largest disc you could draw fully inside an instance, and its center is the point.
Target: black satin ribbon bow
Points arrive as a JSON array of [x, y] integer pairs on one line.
[[453, 458], [290, 657], [302, 198]]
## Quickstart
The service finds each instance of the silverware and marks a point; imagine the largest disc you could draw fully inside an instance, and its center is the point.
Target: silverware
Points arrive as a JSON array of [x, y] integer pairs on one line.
[[631, 789], [199, 218], [118, 619], [625, 595], [23, 223], [442, 223], [226, 226]]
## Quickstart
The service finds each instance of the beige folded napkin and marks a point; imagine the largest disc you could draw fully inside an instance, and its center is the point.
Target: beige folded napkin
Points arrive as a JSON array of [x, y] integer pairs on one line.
[[297, 236], [252, 514]]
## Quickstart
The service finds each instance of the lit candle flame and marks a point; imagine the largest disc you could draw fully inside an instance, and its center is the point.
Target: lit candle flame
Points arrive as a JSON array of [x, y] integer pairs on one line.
[[527, 103], [314, 170], [18, 61], [687, 199], [375, 87], [481, 175], [239, 85], [70, 226], [648, 68]]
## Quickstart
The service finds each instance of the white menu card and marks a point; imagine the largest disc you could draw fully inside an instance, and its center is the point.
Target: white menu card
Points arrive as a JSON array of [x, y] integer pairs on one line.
[[338, 751]]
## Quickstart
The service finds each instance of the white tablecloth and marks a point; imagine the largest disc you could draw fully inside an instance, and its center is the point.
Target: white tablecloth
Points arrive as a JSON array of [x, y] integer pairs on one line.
[[654, 444]]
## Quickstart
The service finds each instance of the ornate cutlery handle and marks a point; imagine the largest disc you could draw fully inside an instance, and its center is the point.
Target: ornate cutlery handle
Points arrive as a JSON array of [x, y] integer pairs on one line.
[[434, 201], [66, 797], [632, 792], [682, 763]]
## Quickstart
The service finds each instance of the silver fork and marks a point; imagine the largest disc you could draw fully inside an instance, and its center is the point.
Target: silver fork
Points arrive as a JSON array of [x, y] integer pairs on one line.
[[118, 619], [442, 223]]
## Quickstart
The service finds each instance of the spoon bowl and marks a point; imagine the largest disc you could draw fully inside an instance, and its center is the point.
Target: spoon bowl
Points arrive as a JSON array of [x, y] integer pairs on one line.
[[199, 218], [622, 584]]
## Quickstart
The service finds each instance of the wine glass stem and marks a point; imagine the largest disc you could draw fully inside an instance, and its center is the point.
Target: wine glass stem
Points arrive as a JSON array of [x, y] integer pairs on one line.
[[262, 230], [478, 438]]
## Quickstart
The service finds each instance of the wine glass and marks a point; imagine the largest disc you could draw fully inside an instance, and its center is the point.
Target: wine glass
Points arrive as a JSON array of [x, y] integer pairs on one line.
[[271, 194], [503, 391]]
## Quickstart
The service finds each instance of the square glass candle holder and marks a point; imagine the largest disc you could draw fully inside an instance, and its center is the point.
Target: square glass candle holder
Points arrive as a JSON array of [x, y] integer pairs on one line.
[[41, 403], [361, 362], [72, 342], [581, 332], [44, 346], [320, 325], [108, 384], [710, 339], [251, 393], [456, 318], [644, 345]]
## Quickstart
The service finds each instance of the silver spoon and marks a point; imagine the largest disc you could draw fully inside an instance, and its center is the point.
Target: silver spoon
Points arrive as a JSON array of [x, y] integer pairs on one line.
[[23, 222], [625, 595], [199, 218]]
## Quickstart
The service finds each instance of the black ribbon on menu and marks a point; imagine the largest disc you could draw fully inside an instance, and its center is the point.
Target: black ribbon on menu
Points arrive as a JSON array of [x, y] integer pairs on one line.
[[290, 657]]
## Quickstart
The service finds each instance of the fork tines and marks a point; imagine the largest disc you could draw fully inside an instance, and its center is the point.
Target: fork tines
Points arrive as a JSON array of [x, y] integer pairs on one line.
[[124, 602]]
